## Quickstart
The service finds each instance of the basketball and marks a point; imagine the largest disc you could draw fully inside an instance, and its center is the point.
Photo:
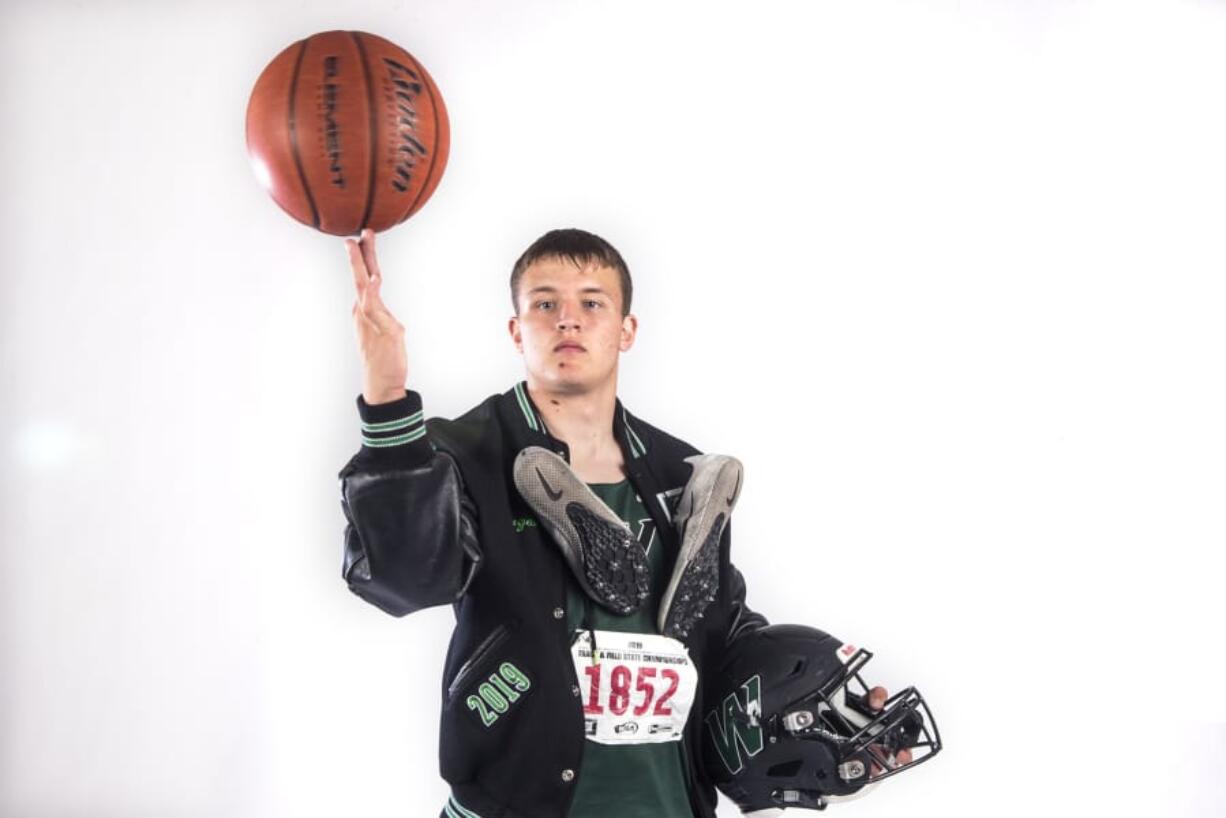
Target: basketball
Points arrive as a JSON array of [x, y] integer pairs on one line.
[[346, 130]]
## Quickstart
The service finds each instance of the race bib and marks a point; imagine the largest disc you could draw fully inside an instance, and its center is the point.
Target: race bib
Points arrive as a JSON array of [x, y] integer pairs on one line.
[[637, 688]]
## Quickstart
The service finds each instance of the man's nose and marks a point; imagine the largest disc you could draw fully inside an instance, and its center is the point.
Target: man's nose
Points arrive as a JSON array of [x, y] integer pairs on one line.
[[568, 316]]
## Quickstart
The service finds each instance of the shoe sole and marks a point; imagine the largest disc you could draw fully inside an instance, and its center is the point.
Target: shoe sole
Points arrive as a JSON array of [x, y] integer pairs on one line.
[[603, 554], [703, 512]]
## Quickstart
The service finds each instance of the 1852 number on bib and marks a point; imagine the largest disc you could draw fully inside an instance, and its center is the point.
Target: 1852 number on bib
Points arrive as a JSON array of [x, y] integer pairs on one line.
[[637, 688]]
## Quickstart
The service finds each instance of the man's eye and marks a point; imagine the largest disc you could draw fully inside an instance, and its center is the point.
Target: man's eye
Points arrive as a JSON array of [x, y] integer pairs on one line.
[[544, 305], [591, 302]]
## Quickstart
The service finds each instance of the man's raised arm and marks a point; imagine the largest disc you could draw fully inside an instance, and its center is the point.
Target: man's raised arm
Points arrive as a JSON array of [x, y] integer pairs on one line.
[[411, 531]]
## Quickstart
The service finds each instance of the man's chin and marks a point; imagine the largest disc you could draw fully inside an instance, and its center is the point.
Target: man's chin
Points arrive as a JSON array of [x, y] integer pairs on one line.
[[569, 380]]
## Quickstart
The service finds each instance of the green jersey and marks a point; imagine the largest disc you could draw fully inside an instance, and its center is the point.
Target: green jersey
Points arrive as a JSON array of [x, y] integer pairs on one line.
[[629, 780]]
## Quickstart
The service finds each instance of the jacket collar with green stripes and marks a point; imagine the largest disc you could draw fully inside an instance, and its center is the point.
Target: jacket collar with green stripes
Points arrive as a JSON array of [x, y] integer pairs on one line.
[[525, 420]]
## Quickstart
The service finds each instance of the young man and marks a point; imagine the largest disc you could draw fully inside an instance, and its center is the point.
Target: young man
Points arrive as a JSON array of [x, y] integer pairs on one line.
[[586, 554]]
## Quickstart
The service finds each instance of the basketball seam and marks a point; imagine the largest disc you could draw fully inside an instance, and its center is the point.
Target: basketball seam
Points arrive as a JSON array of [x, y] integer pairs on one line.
[[433, 153], [374, 124], [293, 134]]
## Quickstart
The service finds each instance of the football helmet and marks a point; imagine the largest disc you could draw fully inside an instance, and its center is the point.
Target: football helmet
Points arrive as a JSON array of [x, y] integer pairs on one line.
[[791, 726]]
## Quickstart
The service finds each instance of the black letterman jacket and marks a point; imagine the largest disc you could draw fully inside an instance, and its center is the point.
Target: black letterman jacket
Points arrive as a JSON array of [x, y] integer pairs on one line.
[[433, 518]]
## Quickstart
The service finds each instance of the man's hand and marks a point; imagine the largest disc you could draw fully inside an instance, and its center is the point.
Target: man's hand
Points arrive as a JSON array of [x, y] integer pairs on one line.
[[385, 365], [876, 700]]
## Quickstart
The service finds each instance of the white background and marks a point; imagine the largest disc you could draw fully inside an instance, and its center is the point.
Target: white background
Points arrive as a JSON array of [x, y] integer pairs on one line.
[[946, 276]]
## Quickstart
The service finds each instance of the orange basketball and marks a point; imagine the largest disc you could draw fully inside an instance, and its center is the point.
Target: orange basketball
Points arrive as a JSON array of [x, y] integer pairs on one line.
[[347, 130]]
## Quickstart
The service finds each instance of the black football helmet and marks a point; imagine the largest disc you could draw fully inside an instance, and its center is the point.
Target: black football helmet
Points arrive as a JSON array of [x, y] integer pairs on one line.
[[790, 724]]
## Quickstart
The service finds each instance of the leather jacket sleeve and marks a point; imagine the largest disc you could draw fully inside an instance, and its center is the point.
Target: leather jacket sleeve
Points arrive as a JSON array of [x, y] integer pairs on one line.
[[743, 619], [411, 538]]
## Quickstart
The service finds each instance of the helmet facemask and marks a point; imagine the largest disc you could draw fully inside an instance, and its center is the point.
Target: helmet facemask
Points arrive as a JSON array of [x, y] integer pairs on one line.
[[863, 743]]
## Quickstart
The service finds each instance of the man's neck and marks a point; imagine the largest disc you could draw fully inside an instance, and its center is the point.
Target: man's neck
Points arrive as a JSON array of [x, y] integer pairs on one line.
[[584, 421]]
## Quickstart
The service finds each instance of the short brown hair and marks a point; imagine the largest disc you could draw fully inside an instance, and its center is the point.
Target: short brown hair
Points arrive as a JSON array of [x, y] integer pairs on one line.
[[581, 248]]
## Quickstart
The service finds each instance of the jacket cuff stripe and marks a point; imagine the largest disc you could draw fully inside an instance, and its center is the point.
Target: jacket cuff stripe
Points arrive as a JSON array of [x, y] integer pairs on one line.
[[383, 442], [394, 433], [459, 809], [393, 425]]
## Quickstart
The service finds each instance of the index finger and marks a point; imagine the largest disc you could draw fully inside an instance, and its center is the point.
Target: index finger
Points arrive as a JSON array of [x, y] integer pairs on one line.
[[361, 276], [367, 244]]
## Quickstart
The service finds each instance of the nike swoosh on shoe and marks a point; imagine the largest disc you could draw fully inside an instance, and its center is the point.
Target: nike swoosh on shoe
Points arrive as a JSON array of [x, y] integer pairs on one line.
[[553, 495]]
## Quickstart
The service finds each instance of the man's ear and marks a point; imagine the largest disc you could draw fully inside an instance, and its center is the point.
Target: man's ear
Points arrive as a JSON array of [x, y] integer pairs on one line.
[[516, 338], [630, 328]]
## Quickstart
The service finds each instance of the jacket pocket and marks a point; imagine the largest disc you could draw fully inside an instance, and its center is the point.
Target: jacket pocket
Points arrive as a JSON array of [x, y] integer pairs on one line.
[[488, 689], [476, 659]]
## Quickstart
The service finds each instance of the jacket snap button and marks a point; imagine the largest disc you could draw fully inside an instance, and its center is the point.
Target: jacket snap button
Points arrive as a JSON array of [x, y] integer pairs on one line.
[[568, 775], [558, 613], [574, 689]]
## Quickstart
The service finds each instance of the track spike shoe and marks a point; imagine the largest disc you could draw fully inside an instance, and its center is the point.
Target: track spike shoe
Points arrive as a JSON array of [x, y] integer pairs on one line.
[[605, 557], [702, 514]]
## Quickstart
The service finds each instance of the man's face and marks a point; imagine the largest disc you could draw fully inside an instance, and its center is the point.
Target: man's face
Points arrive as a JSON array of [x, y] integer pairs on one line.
[[570, 328]]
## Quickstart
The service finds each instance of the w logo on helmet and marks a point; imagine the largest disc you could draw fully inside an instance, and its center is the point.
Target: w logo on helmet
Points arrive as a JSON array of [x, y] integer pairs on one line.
[[735, 727]]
